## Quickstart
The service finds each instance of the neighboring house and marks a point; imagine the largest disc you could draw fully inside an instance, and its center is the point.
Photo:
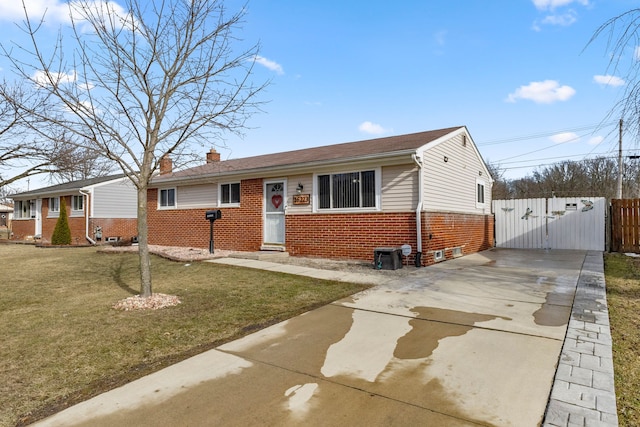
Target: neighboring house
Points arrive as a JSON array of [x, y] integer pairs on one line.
[[430, 190], [6, 214], [103, 208]]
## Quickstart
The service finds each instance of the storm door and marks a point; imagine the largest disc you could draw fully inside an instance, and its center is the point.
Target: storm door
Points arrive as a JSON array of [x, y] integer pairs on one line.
[[275, 203]]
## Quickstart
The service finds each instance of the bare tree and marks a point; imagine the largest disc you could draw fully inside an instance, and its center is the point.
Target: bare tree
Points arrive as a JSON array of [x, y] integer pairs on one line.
[[623, 36], [142, 81], [24, 153], [20, 157]]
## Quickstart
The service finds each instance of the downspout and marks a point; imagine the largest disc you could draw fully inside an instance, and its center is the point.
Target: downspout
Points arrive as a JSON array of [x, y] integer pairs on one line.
[[418, 261], [86, 216]]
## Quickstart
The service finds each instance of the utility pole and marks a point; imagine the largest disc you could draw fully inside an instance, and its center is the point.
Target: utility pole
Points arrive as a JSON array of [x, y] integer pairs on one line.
[[620, 164]]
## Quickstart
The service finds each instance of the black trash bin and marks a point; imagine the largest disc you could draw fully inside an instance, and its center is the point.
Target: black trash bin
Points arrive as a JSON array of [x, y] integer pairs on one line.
[[387, 258]]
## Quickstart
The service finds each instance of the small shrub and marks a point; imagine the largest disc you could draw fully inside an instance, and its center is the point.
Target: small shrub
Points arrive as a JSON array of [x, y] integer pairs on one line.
[[62, 232]]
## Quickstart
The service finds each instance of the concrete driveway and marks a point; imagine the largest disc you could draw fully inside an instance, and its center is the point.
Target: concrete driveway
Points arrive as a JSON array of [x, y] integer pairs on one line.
[[471, 341]]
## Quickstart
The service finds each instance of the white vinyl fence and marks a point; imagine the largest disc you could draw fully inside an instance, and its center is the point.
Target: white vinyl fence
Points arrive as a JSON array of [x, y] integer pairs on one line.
[[556, 223]]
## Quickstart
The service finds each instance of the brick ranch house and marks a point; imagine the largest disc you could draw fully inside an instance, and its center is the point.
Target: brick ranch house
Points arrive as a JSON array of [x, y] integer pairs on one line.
[[430, 190], [103, 208]]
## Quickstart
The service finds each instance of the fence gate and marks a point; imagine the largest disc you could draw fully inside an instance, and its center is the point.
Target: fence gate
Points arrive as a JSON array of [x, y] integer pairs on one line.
[[556, 223], [625, 225]]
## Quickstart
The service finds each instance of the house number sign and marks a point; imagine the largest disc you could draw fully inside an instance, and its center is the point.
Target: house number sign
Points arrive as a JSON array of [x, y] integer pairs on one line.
[[302, 199]]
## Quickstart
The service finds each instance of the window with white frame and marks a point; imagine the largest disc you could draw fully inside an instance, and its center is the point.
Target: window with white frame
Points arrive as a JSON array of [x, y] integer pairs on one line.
[[480, 193], [347, 190], [77, 203], [167, 198], [54, 204], [21, 209], [230, 194]]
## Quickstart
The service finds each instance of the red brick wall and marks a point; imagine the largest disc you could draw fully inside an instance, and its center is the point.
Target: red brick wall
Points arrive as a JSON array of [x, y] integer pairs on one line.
[[125, 228], [355, 236], [239, 228], [445, 231], [348, 236], [22, 228]]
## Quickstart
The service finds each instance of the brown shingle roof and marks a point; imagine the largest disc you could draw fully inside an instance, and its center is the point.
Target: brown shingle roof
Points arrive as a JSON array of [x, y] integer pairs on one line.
[[349, 150]]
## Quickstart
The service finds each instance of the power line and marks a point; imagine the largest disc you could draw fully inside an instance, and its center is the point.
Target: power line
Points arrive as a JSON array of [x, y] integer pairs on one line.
[[544, 134]]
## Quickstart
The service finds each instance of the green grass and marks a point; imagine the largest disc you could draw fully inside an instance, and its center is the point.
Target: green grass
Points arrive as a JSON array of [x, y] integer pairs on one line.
[[63, 343], [622, 275]]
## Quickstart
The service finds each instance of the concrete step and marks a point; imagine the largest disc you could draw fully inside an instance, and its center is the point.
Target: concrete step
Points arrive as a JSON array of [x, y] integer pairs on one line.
[[261, 255]]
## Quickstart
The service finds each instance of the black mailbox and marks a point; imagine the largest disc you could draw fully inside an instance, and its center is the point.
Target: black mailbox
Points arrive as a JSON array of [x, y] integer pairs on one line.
[[213, 215]]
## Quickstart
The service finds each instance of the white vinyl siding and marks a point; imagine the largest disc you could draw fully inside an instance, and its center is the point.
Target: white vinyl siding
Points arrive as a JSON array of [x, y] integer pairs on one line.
[[307, 188], [451, 171], [399, 188], [198, 196], [117, 199]]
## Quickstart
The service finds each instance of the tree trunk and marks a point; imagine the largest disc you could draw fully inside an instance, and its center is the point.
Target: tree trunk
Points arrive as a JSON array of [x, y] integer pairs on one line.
[[143, 243]]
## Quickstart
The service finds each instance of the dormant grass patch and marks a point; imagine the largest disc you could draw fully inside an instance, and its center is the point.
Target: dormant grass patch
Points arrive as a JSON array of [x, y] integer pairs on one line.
[[623, 297], [63, 341]]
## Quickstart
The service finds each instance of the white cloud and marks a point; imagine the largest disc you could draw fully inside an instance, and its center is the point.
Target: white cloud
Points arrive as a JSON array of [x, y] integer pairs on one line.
[[42, 78], [372, 128], [561, 138], [637, 53], [58, 12], [544, 92], [608, 80], [595, 140], [563, 20], [553, 4], [269, 64]]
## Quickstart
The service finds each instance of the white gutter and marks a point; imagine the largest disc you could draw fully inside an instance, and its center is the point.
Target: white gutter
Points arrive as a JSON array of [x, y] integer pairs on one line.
[[86, 215], [419, 210]]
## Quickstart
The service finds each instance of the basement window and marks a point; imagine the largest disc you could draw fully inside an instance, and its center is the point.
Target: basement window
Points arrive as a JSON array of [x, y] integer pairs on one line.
[[456, 252]]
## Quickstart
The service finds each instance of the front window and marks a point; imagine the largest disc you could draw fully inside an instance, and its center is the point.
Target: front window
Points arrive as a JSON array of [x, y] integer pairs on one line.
[[21, 209], [54, 204], [230, 194], [351, 190], [167, 198], [77, 203]]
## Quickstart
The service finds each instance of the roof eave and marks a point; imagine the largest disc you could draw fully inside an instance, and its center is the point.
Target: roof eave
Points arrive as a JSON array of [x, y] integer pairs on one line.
[[289, 169]]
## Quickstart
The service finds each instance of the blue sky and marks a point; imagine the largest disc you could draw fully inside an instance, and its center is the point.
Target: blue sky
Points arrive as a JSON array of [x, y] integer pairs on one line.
[[517, 73]]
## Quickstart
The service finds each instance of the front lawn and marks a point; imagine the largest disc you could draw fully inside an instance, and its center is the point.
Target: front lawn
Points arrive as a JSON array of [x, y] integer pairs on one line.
[[62, 342], [623, 297]]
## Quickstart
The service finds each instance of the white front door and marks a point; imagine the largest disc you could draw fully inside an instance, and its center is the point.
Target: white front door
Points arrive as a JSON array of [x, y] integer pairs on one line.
[[275, 198], [37, 214]]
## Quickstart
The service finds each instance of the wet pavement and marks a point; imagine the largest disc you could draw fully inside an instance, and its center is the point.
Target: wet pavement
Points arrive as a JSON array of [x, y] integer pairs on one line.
[[471, 341]]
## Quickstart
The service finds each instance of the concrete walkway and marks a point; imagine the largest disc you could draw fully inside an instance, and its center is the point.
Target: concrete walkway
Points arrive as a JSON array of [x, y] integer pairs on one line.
[[472, 341]]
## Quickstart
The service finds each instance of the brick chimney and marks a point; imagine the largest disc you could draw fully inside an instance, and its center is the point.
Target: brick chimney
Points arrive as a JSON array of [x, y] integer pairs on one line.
[[166, 165], [213, 156]]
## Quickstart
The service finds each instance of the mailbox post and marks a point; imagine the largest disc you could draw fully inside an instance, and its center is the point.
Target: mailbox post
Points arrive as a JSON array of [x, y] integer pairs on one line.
[[212, 216]]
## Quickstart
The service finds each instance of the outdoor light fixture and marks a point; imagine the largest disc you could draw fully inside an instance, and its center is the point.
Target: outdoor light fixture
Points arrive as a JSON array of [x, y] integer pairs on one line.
[[299, 188], [446, 159]]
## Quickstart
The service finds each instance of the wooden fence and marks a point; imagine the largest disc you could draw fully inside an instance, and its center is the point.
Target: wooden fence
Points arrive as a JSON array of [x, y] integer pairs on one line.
[[625, 225]]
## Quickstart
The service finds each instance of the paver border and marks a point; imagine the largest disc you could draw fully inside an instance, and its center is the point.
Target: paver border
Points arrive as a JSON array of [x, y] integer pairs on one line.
[[583, 391]]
